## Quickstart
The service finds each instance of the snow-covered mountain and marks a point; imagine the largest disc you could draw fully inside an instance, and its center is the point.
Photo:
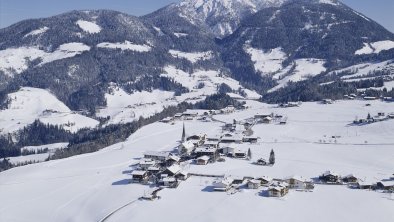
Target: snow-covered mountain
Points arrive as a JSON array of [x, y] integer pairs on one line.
[[82, 56], [222, 16]]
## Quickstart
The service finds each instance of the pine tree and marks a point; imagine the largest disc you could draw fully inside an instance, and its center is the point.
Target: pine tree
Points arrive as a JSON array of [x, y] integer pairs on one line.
[[249, 154], [272, 157], [183, 133]]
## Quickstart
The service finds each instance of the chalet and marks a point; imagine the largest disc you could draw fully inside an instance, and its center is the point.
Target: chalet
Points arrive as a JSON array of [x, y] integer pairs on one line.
[[206, 151], [170, 182], [278, 191], [262, 116], [264, 180], [370, 98], [167, 120], [178, 116], [154, 155], [153, 170], [330, 177], [350, 179], [139, 176], [261, 162], [190, 114], [385, 185], [229, 138], [365, 185], [202, 160], [227, 151], [238, 180], [223, 185], [298, 182], [144, 164], [239, 154], [212, 144], [182, 175], [267, 120], [171, 171], [172, 159], [186, 148], [254, 184], [250, 139]]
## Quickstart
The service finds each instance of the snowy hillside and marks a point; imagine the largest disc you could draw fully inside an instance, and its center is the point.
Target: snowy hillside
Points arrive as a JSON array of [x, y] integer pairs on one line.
[[30, 104], [222, 16], [89, 187]]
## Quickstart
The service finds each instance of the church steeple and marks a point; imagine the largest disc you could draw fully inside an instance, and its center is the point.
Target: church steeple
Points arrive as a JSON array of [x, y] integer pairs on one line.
[[183, 133]]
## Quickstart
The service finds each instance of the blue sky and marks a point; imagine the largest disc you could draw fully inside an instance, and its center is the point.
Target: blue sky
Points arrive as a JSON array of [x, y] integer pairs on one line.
[[12, 11]]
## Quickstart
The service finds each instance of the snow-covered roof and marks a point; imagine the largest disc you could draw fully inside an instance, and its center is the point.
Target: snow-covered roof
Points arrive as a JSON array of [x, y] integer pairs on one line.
[[266, 178], [175, 158], [205, 150], [254, 181], [329, 172], [138, 172], [156, 153], [146, 161], [350, 175], [387, 183], [205, 158], [169, 179], [174, 169], [296, 177]]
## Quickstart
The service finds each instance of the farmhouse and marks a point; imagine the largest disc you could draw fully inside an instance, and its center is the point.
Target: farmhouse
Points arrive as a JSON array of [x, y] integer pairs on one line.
[[267, 120], [254, 184], [213, 144], [239, 154], [227, 150], [154, 155], [385, 185], [206, 151], [277, 191], [250, 139], [223, 185], [229, 138], [172, 159], [190, 114], [178, 116], [264, 180], [144, 164], [139, 176], [365, 185], [170, 182], [182, 175], [202, 160], [167, 120], [330, 177], [298, 182], [350, 179], [238, 180], [172, 170]]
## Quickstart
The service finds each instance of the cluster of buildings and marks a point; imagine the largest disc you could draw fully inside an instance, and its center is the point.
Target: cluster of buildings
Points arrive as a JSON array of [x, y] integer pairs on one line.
[[330, 177], [381, 116], [269, 186]]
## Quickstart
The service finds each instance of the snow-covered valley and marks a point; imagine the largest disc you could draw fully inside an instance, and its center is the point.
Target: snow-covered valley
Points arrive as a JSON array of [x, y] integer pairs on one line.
[[89, 187]]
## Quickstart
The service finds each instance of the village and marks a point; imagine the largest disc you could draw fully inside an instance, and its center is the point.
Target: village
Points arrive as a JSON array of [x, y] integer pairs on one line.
[[167, 169]]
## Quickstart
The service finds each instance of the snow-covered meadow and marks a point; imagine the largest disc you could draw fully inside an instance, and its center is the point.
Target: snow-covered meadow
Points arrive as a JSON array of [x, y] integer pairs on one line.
[[91, 186]]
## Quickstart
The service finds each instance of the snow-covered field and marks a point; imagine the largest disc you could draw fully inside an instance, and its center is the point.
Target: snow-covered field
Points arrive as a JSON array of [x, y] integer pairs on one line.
[[89, 27], [89, 187], [375, 47], [125, 46], [29, 104], [193, 57], [15, 60], [266, 62]]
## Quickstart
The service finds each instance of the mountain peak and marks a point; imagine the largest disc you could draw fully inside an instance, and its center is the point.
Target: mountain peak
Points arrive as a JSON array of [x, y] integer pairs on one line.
[[222, 16]]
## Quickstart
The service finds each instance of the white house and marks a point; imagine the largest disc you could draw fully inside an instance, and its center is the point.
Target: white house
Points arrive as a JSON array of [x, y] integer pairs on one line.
[[297, 182], [254, 184], [202, 160], [223, 185], [154, 155]]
